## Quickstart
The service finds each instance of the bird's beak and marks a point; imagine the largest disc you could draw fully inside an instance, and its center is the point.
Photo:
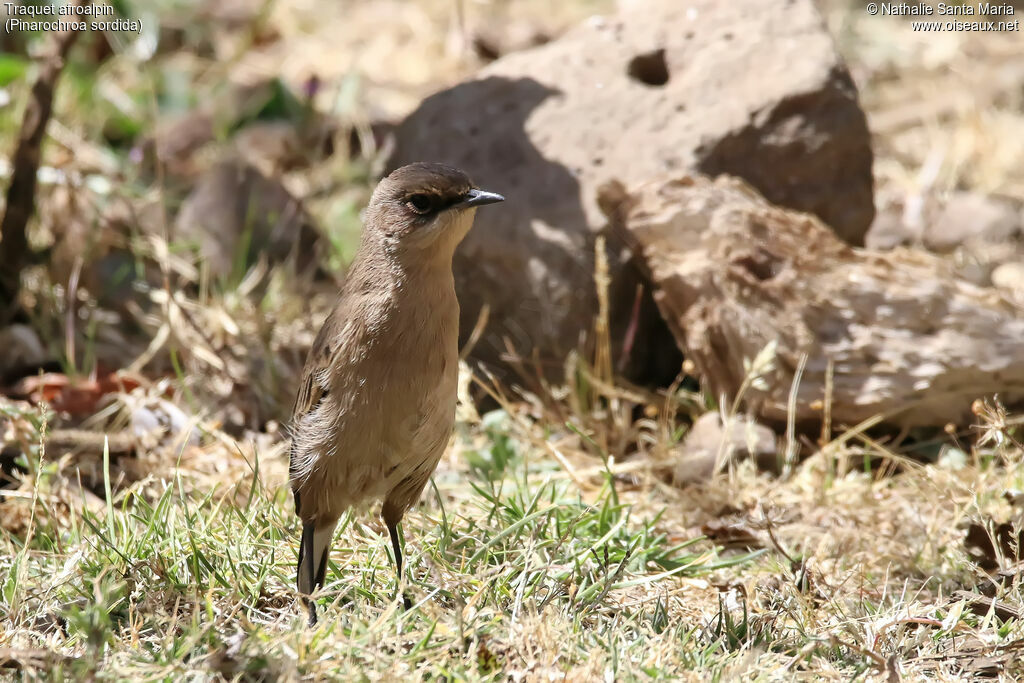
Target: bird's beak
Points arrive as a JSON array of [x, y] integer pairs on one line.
[[481, 197]]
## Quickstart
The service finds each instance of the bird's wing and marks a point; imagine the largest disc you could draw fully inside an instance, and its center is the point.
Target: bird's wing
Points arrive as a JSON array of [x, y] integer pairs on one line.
[[315, 383], [313, 386]]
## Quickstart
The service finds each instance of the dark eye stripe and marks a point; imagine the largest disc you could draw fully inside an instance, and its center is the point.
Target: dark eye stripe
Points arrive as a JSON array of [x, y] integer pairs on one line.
[[436, 203], [421, 203]]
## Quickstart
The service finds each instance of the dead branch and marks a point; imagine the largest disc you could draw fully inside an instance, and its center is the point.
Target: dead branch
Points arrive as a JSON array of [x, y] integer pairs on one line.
[[27, 155]]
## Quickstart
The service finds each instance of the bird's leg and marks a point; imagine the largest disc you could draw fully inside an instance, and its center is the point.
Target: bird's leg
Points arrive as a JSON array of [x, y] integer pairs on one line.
[[312, 567], [305, 573], [397, 547]]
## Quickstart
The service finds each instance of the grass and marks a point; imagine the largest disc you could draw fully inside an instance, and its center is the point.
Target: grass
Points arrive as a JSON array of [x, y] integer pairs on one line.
[[515, 570], [549, 545], [166, 580]]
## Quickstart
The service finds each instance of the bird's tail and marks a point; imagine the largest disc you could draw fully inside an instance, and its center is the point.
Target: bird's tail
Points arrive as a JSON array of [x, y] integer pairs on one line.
[[313, 550]]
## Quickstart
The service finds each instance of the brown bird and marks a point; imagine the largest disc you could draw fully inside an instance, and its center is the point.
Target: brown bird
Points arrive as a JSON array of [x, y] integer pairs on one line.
[[376, 405]]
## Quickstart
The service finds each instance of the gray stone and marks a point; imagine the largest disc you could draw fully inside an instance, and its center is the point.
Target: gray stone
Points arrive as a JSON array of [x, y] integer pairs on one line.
[[746, 88], [234, 208], [157, 421], [22, 350], [1009, 277], [709, 447], [889, 230], [971, 218]]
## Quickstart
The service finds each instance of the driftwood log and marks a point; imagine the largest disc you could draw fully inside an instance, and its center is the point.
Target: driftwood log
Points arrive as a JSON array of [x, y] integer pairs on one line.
[[901, 336]]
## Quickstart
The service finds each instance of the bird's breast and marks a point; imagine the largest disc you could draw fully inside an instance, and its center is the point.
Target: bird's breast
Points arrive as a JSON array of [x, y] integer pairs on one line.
[[408, 376], [392, 399]]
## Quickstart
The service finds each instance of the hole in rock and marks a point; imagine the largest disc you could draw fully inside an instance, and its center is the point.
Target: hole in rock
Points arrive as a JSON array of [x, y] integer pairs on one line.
[[649, 68]]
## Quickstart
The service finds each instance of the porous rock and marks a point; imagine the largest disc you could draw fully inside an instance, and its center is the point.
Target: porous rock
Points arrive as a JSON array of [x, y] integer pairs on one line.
[[748, 88]]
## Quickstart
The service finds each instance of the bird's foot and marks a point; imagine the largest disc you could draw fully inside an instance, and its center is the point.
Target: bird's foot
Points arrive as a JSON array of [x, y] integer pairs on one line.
[[311, 606]]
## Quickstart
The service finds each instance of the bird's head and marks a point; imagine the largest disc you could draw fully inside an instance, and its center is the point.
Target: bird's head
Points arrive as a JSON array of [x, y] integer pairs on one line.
[[425, 208]]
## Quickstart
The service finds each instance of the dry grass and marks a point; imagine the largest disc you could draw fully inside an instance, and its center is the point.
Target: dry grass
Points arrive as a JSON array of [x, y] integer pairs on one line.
[[945, 109], [551, 545], [523, 565]]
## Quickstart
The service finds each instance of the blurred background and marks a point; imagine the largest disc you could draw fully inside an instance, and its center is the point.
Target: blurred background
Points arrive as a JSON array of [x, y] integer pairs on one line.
[[181, 202], [200, 182]]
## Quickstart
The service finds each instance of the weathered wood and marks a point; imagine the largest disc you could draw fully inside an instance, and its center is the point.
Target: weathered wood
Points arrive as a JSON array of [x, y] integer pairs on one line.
[[79, 440], [905, 338]]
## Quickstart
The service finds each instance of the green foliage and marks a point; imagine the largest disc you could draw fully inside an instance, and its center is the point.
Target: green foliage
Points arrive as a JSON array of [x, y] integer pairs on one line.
[[490, 462], [12, 68], [345, 228]]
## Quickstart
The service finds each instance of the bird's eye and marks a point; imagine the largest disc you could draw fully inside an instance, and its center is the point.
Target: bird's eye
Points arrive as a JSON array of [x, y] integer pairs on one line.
[[420, 203]]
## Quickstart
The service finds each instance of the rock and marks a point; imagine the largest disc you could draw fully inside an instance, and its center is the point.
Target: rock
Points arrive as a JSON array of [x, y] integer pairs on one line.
[[501, 38], [968, 217], [234, 207], [889, 230], [724, 87], [100, 249], [175, 142], [23, 352], [266, 123], [751, 290], [270, 146], [157, 421], [709, 447], [1009, 277]]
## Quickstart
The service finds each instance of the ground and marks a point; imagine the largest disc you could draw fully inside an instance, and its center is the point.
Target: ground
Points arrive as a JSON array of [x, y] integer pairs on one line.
[[551, 544]]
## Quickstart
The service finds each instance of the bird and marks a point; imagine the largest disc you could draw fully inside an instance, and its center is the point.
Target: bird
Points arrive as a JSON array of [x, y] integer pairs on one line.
[[376, 402]]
